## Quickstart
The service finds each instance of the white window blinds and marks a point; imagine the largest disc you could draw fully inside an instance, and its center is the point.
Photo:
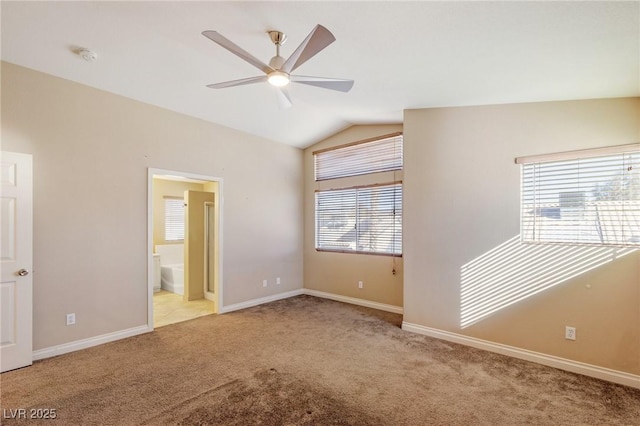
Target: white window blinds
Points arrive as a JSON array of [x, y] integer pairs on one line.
[[378, 155], [588, 200], [173, 219], [360, 220]]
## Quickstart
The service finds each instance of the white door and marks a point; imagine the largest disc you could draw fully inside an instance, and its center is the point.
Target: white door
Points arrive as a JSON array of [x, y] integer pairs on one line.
[[16, 285]]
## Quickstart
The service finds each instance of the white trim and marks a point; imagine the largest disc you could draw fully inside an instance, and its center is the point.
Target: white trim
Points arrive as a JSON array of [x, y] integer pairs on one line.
[[610, 375], [355, 301], [89, 342], [255, 302], [582, 153], [150, 289], [315, 293]]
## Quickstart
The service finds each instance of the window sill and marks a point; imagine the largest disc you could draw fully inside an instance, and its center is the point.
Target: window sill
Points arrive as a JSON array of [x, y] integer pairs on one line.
[[358, 252]]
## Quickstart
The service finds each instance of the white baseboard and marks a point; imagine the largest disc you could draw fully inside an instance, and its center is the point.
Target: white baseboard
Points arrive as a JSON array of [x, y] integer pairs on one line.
[[355, 301], [123, 334], [316, 293], [614, 376], [259, 301], [87, 343]]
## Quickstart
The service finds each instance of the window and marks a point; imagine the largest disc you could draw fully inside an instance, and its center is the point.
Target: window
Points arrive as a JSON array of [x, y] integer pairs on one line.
[[370, 156], [582, 197], [173, 219], [360, 220], [364, 218]]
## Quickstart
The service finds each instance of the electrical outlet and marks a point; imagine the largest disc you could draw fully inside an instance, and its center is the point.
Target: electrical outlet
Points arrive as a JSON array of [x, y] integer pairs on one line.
[[360, 285], [278, 281], [570, 333], [71, 319], [264, 283]]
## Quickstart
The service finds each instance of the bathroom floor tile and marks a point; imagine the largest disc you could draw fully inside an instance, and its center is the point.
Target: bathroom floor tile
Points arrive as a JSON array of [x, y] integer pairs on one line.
[[169, 308]]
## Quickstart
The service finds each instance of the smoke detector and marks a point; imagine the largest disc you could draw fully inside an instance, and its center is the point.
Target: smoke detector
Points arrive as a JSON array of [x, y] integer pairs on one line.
[[87, 55]]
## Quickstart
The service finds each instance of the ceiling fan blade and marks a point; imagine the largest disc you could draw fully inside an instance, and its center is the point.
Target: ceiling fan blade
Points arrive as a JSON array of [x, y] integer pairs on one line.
[[318, 39], [284, 100], [339, 84], [241, 82], [237, 50]]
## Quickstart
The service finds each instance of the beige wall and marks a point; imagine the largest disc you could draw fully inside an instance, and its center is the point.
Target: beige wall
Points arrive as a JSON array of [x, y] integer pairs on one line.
[[461, 199], [167, 188], [214, 187], [92, 149], [194, 243], [339, 273], [91, 152]]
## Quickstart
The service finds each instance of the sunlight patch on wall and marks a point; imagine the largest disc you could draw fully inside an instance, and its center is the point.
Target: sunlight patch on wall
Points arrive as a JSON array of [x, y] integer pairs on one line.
[[512, 271]]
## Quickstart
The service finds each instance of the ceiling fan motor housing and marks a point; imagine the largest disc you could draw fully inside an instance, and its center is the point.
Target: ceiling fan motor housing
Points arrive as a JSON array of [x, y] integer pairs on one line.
[[276, 62], [278, 38]]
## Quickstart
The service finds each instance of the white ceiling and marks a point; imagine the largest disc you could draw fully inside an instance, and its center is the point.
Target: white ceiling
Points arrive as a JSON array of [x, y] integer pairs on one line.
[[402, 55]]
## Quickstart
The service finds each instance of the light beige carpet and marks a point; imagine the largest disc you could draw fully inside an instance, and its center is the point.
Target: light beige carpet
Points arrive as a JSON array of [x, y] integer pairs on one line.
[[307, 361]]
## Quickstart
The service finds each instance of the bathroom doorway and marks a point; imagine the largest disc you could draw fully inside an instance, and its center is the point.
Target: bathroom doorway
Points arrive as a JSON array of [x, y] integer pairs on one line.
[[184, 246]]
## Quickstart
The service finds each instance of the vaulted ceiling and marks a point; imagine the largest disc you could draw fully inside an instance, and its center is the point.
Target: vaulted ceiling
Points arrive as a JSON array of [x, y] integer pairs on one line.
[[402, 55]]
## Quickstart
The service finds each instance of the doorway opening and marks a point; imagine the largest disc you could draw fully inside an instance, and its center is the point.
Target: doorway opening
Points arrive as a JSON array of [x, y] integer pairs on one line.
[[184, 246]]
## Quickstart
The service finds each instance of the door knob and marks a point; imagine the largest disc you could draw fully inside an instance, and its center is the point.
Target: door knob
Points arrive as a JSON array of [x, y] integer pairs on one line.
[[23, 272]]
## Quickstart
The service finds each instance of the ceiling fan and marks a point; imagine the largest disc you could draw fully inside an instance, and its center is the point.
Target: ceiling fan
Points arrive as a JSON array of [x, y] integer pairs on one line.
[[278, 71]]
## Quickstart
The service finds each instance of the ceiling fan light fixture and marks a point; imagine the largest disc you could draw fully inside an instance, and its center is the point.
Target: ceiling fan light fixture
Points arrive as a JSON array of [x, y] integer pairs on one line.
[[278, 78], [279, 71]]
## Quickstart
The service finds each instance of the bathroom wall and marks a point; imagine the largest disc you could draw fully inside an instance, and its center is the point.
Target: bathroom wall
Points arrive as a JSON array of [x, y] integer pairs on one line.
[[91, 154], [167, 188], [194, 243]]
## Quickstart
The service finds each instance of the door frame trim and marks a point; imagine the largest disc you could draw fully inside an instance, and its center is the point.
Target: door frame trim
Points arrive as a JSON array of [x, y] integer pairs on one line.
[[151, 172]]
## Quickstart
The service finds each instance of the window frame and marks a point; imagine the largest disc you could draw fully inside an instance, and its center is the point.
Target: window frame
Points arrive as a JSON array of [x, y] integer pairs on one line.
[[385, 172], [358, 218], [561, 197], [167, 219], [351, 151]]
